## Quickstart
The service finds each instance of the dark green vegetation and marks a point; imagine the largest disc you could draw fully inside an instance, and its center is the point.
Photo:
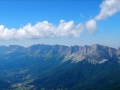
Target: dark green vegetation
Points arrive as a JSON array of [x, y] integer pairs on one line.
[[4, 86], [58, 67], [83, 76]]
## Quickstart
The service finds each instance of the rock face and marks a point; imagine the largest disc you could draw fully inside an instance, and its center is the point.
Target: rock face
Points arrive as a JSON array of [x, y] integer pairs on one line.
[[97, 50], [94, 53]]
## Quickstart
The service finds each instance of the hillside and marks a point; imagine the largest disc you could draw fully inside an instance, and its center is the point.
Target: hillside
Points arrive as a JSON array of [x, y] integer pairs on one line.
[[57, 66]]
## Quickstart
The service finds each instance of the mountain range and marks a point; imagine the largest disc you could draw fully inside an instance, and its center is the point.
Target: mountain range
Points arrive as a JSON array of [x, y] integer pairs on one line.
[[59, 67]]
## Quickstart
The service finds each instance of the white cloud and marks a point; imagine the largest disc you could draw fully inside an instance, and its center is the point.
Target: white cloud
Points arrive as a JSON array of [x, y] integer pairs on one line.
[[42, 29], [91, 26], [108, 8]]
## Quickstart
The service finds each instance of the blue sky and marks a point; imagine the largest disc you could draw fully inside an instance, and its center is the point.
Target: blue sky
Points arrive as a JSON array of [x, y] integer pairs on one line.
[[64, 22]]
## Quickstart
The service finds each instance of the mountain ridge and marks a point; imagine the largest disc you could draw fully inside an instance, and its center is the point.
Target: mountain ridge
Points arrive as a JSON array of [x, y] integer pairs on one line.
[[40, 62], [77, 53]]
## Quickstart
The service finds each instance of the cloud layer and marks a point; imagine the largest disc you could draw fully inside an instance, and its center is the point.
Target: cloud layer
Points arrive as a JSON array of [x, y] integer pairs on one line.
[[42, 29], [91, 26], [45, 29], [108, 8]]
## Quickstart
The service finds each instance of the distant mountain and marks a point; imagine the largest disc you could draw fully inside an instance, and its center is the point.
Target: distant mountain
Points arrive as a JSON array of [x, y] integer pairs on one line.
[[49, 67]]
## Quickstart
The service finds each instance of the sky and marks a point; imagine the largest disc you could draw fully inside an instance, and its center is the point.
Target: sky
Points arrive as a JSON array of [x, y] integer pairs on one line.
[[63, 22]]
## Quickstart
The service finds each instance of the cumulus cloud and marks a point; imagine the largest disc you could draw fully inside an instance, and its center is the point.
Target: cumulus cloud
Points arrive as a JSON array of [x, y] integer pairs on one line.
[[108, 8], [91, 26], [42, 29]]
